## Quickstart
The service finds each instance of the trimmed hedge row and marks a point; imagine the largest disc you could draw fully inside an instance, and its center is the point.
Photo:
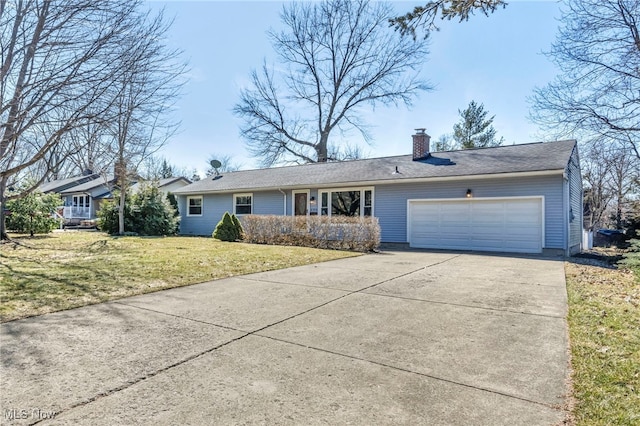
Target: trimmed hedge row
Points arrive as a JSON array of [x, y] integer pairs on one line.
[[338, 232]]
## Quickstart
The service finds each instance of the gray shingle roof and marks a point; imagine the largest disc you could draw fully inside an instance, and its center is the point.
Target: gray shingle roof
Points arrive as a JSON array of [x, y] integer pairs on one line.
[[62, 184], [161, 182], [533, 157], [87, 186]]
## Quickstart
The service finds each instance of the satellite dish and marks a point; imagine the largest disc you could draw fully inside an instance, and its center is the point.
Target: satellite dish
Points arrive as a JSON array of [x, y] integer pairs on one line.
[[216, 165]]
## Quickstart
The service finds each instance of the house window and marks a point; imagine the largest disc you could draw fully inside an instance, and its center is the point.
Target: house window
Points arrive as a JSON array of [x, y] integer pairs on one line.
[[243, 203], [81, 201], [194, 206], [324, 209], [347, 202]]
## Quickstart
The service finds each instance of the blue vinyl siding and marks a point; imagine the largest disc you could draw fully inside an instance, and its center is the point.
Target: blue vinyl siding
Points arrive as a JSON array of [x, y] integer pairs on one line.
[[269, 202], [391, 202], [215, 205]]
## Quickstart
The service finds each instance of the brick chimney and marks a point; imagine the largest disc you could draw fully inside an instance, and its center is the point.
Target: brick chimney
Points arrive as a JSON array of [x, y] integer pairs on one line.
[[421, 142]]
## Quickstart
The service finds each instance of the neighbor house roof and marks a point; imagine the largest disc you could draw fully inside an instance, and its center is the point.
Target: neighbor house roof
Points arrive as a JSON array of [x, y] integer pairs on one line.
[[62, 184], [88, 186], [525, 158], [162, 182]]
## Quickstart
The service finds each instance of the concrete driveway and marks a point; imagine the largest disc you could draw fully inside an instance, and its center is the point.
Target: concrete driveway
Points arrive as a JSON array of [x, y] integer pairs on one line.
[[390, 338]]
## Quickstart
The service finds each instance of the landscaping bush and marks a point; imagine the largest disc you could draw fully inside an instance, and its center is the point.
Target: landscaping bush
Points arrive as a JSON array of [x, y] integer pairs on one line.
[[108, 216], [227, 229], [32, 213], [173, 202], [147, 212], [238, 227], [153, 215], [338, 232]]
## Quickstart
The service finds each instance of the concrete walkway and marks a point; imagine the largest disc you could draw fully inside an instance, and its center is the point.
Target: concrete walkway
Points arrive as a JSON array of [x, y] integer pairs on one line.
[[390, 338]]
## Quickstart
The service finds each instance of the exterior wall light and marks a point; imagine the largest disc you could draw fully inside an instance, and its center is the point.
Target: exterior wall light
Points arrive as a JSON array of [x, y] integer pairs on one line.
[[312, 200], [469, 193]]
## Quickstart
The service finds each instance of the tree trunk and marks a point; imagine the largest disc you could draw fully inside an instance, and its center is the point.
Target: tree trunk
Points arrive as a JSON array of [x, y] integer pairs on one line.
[[321, 147], [121, 180], [3, 204], [123, 196], [121, 211]]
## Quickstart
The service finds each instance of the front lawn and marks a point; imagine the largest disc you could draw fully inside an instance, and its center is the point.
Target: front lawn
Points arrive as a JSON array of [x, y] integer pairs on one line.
[[64, 270], [604, 328]]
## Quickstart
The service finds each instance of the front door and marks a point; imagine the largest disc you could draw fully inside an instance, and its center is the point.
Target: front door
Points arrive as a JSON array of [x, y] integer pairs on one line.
[[300, 203]]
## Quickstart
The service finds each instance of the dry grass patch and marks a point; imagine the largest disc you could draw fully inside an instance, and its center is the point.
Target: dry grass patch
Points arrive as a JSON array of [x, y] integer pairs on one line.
[[604, 327], [70, 269]]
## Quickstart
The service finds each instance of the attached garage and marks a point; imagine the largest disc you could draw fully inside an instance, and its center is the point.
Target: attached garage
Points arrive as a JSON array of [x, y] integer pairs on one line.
[[512, 224]]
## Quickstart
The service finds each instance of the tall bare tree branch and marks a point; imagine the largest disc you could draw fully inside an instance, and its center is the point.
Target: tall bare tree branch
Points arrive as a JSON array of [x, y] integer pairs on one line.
[[336, 56], [598, 90]]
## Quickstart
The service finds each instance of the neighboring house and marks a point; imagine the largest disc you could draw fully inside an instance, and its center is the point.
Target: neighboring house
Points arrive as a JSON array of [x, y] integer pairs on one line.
[[83, 195], [82, 202], [165, 185], [520, 198]]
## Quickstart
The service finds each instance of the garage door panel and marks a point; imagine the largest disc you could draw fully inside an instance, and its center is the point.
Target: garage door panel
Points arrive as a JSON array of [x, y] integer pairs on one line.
[[513, 225]]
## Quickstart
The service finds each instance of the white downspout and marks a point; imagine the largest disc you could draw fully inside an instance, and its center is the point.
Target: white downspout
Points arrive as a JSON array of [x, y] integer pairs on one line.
[[284, 212], [566, 209]]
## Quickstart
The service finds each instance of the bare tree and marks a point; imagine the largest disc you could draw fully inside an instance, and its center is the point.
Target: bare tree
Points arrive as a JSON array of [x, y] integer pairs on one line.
[[150, 82], [623, 180], [610, 176], [424, 17], [226, 164], [596, 169], [56, 70], [347, 152], [337, 57], [444, 143], [87, 148], [598, 90]]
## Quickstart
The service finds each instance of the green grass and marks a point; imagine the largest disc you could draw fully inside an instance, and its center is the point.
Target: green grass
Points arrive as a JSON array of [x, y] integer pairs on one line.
[[604, 328], [70, 269]]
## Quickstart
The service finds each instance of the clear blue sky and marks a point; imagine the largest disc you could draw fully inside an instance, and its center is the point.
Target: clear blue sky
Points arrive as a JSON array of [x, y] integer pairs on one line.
[[495, 60]]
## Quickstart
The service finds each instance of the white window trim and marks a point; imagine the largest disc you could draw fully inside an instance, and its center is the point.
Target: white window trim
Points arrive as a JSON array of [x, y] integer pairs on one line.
[[194, 197], [362, 189], [75, 197], [242, 194], [293, 200]]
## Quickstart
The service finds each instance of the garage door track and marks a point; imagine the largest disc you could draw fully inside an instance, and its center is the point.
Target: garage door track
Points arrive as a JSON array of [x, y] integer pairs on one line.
[[390, 338]]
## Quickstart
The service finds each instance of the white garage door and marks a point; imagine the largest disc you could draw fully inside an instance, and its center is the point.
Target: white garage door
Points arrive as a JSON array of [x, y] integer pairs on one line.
[[505, 224]]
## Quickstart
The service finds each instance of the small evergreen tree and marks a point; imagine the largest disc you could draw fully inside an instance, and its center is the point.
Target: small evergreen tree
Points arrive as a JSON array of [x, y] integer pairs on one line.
[[225, 229], [475, 130], [153, 215], [237, 226], [166, 169], [32, 213], [173, 202]]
